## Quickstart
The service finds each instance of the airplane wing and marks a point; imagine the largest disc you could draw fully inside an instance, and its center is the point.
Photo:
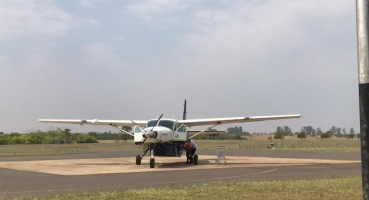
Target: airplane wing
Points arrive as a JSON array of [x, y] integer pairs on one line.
[[96, 122], [191, 133], [213, 121]]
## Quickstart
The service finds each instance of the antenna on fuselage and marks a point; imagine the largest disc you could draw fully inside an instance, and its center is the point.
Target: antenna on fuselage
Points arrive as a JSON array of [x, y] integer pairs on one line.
[[185, 110]]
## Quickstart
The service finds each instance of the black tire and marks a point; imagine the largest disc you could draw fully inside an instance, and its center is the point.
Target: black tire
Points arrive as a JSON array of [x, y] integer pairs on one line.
[[152, 163], [195, 159], [138, 160]]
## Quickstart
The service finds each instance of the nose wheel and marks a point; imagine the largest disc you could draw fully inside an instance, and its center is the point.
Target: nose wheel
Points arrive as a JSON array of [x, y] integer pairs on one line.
[[152, 162], [138, 160], [152, 159]]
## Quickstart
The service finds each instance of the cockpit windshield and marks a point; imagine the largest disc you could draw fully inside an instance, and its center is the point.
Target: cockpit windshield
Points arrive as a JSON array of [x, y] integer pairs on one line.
[[166, 123]]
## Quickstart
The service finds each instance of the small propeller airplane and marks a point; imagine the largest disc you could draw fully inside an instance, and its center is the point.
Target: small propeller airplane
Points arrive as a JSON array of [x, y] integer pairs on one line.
[[167, 137]]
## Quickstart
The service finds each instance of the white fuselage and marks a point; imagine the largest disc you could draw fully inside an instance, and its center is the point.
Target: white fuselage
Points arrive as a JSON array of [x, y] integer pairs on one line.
[[167, 130]]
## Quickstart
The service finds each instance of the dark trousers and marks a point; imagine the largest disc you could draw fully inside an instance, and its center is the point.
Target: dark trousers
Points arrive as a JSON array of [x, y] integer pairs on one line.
[[189, 155]]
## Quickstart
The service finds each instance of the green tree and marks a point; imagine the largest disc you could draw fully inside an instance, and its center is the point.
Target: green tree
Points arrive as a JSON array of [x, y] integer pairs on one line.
[[307, 129], [326, 135], [280, 130], [330, 133], [350, 136], [301, 135], [93, 134], [237, 137], [338, 132], [279, 135], [344, 131], [287, 130], [318, 131]]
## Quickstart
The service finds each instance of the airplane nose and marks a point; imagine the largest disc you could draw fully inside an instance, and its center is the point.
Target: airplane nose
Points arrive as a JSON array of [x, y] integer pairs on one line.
[[150, 134]]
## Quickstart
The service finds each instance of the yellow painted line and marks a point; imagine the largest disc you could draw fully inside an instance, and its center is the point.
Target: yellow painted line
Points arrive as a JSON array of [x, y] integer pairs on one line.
[[148, 184]]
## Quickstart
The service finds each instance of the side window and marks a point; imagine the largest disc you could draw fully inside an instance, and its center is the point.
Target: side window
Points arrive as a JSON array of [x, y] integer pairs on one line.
[[137, 129], [182, 128]]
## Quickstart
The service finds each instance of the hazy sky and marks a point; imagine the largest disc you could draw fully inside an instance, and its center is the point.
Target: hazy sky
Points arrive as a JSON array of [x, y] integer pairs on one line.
[[104, 59]]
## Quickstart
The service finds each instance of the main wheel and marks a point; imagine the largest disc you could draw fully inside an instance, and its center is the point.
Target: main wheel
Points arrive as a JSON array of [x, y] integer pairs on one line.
[[152, 162], [195, 159], [138, 160]]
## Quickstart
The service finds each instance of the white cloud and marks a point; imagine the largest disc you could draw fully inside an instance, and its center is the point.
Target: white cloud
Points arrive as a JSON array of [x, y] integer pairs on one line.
[[240, 58], [257, 36], [149, 9], [3, 62], [91, 3], [272, 58], [99, 55], [32, 19]]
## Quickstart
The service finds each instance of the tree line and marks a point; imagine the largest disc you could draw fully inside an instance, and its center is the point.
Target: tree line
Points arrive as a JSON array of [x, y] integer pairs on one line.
[[237, 130], [57, 136], [312, 132], [65, 136]]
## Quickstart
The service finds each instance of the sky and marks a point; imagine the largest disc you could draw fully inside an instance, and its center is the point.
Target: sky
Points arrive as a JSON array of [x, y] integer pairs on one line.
[[137, 59]]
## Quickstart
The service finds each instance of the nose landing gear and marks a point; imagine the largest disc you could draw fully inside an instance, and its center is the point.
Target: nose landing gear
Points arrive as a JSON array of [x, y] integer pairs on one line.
[[152, 163], [152, 159]]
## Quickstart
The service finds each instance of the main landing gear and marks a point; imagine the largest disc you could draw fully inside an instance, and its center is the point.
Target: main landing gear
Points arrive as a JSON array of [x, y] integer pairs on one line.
[[195, 159], [152, 159]]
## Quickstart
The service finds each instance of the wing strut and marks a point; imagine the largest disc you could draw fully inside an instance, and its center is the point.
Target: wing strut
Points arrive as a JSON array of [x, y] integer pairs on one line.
[[126, 132], [204, 130]]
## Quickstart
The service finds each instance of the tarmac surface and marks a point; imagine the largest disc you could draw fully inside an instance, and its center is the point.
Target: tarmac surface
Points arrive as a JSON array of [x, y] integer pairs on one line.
[[105, 171]]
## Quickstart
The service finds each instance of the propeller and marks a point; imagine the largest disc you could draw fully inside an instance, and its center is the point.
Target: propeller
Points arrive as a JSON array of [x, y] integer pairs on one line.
[[143, 142], [157, 122], [143, 130]]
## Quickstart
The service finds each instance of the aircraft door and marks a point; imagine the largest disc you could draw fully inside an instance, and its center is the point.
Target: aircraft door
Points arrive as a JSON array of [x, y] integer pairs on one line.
[[181, 133], [137, 134]]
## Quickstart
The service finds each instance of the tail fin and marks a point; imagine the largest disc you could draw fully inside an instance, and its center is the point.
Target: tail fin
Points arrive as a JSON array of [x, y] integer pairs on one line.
[[185, 110]]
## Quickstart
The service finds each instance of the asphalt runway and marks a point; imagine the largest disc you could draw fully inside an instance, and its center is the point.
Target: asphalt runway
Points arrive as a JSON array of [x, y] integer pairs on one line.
[[105, 171]]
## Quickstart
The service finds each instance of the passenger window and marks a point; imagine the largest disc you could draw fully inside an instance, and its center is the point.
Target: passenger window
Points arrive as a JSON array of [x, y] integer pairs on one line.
[[182, 128], [137, 129]]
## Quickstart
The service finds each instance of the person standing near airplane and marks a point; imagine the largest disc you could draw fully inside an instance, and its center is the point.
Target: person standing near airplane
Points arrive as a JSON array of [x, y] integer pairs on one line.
[[188, 151], [191, 150]]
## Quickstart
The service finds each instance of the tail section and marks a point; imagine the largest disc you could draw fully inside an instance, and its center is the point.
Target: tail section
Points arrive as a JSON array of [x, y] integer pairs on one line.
[[185, 110]]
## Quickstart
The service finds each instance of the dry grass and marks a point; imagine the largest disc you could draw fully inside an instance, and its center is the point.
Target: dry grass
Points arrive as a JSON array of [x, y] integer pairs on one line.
[[334, 145], [329, 189], [44, 149]]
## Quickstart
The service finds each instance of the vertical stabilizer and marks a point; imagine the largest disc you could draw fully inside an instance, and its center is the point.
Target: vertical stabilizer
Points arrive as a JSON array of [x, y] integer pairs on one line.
[[185, 110]]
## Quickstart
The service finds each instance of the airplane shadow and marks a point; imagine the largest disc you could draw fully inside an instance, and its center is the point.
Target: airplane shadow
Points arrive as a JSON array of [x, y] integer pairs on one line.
[[182, 164], [104, 164], [212, 162]]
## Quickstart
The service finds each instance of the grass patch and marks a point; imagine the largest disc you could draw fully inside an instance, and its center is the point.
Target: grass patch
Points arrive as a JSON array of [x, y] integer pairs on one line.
[[344, 188], [317, 145], [47, 149], [355, 149]]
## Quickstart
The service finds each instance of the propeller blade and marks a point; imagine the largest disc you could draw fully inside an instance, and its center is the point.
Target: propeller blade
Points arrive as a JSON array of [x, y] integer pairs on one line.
[[157, 121], [159, 141], [142, 143], [143, 130]]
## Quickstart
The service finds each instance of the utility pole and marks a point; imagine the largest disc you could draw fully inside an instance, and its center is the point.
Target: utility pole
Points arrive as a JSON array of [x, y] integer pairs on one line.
[[363, 66]]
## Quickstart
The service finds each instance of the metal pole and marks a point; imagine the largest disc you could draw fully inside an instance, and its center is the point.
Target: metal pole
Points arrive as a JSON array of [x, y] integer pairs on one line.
[[363, 65]]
